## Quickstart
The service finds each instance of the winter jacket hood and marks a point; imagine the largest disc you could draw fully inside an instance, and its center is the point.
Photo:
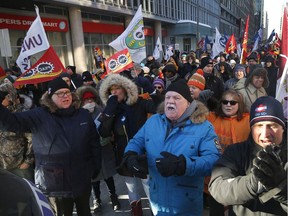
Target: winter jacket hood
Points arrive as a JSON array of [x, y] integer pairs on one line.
[[47, 102], [83, 89], [116, 79]]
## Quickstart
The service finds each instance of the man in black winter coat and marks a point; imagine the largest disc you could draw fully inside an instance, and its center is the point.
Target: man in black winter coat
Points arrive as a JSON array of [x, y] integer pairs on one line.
[[251, 176]]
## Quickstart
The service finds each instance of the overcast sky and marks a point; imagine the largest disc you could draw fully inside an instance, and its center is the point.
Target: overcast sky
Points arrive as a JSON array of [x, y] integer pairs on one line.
[[274, 9]]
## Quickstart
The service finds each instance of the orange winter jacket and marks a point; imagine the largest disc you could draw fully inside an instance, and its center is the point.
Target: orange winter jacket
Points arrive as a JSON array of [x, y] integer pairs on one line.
[[229, 131]]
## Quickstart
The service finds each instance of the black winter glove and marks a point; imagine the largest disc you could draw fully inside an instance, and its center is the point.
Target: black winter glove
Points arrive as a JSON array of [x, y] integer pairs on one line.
[[112, 105], [136, 164], [171, 164], [3, 95], [205, 95], [268, 167]]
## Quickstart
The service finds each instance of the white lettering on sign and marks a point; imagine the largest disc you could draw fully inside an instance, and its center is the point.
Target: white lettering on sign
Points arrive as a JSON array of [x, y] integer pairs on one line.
[[10, 21], [50, 24], [27, 22]]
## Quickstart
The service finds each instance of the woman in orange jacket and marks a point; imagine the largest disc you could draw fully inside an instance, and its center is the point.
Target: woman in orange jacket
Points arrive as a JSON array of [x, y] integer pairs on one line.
[[231, 124]]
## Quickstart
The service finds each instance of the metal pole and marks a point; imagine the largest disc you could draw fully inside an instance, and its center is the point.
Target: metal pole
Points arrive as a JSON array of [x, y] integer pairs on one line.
[[197, 26]]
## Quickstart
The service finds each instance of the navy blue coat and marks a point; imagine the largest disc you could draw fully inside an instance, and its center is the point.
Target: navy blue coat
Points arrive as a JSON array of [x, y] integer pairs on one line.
[[70, 142]]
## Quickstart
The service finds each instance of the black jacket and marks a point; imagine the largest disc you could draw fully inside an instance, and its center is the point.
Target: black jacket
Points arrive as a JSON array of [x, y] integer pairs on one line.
[[66, 141], [231, 182]]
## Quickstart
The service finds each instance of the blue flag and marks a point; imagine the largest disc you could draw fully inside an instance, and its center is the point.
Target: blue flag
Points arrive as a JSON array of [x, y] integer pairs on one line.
[[41, 200], [270, 38], [206, 42]]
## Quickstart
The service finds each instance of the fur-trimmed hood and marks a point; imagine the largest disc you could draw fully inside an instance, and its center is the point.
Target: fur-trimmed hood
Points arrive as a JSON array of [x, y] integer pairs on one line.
[[198, 116], [116, 79], [47, 102], [86, 88]]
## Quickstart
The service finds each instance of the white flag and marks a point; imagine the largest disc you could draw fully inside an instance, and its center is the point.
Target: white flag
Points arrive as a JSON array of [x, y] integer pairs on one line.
[[133, 38], [219, 44], [158, 49], [34, 42], [169, 52], [239, 49]]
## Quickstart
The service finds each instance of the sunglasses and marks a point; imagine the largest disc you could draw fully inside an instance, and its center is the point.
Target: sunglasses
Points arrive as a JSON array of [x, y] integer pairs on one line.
[[225, 102], [158, 87]]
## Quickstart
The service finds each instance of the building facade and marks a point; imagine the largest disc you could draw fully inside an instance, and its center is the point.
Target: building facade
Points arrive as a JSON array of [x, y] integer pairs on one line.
[[76, 27]]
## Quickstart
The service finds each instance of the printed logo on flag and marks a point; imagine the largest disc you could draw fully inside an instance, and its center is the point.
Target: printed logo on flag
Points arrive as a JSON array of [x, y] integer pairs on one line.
[[112, 64], [122, 59], [223, 41], [136, 39], [119, 62], [45, 69]]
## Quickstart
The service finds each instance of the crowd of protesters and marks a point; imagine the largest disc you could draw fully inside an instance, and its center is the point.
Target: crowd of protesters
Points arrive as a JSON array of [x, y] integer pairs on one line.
[[163, 125]]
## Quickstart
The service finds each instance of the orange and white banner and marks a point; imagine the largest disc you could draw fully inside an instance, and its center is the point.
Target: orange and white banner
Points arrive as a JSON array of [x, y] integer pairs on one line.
[[118, 62], [45, 69]]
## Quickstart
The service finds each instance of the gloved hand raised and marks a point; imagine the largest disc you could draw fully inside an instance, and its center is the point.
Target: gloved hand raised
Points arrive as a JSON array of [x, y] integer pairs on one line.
[[171, 164], [3, 95], [136, 164], [112, 105], [268, 168]]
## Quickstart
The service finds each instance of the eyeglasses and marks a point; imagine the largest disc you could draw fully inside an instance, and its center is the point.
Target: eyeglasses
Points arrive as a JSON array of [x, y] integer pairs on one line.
[[62, 94], [225, 102], [158, 87]]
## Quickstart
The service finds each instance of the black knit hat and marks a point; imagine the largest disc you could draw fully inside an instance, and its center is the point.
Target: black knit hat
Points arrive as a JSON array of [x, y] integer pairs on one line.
[[56, 84], [169, 68], [73, 68], [253, 55], [267, 108], [86, 76], [205, 61], [65, 74], [182, 88]]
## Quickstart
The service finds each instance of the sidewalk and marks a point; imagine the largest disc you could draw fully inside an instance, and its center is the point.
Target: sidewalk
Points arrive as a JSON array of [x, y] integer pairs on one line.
[[121, 190]]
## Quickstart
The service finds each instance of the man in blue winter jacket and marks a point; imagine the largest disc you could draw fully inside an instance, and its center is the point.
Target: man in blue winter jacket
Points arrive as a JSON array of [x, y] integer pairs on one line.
[[181, 148]]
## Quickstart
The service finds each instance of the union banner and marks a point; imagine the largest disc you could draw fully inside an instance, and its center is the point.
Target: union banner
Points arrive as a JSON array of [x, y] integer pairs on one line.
[[118, 62], [45, 69]]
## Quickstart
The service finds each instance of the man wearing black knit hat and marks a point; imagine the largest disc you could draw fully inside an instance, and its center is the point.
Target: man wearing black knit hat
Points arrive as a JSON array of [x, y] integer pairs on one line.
[[251, 176], [76, 78], [212, 82], [181, 148]]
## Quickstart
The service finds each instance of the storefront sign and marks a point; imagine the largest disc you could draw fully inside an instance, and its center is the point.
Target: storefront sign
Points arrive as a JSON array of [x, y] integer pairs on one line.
[[11, 21]]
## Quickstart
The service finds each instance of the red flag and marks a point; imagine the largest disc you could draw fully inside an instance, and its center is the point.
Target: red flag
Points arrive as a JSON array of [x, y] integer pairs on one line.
[[231, 44], [2, 73], [45, 69], [200, 44], [284, 45], [118, 62], [244, 43], [274, 48]]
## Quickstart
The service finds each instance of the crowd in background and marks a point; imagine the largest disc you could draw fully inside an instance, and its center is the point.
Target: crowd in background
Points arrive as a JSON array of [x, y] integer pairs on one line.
[[120, 104]]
